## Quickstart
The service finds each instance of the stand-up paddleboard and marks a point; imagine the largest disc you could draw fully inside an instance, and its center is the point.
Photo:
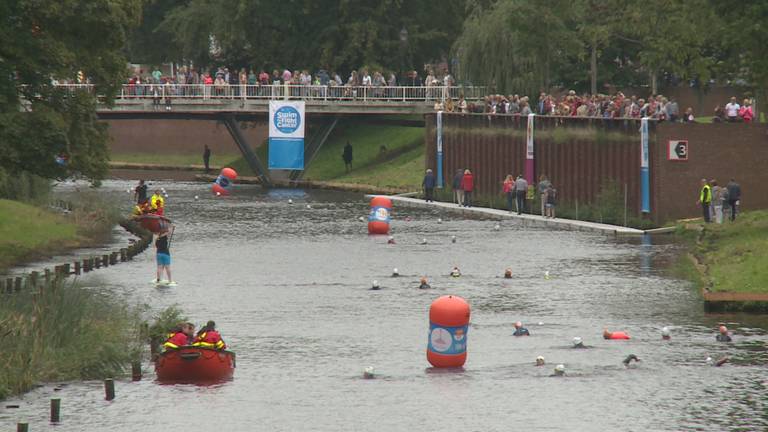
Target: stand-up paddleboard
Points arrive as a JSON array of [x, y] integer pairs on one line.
[[164, 283], [154, 223]]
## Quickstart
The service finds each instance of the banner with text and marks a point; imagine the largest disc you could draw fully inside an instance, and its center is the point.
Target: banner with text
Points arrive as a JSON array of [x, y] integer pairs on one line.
[[645, 169], [286, 135]]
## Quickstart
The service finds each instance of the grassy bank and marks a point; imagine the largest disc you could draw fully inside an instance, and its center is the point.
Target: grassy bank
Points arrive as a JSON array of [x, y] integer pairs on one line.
[[67, 333], [735, 254], [217, 159]]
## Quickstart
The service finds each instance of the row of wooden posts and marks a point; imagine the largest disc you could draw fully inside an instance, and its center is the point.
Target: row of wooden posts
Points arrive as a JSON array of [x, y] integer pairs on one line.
[[109, 395], [37, 280]]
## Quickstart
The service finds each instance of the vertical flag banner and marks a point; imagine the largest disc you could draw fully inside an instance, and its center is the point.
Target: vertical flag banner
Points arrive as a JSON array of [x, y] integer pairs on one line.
[[286, 135], [645, 177], [439, 134], [529, 154]]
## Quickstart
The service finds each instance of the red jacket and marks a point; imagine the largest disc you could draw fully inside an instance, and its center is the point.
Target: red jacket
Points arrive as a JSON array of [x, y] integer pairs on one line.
[[210, 339], [467, 183], [176, 340]]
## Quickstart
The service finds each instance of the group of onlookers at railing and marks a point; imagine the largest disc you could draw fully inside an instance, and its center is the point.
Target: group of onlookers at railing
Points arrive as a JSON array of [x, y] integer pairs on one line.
[[248, 82], [657, 107]]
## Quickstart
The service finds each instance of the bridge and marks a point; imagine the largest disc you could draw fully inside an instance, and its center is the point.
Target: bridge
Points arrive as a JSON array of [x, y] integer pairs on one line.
[[231, 104], [244, 99]]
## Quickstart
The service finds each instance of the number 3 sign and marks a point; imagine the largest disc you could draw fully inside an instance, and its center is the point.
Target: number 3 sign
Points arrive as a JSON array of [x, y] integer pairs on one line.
[[677, 150]]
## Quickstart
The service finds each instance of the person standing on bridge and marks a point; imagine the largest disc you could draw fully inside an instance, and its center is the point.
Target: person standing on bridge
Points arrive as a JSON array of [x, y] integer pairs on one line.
[[207, 158], [347, 156]]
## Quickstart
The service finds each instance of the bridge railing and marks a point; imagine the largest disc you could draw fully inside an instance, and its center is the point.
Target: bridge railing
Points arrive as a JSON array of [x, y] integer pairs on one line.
[[320, 94]]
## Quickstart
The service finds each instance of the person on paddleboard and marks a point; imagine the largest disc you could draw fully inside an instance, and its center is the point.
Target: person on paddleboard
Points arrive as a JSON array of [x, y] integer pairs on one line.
[[162, 244]]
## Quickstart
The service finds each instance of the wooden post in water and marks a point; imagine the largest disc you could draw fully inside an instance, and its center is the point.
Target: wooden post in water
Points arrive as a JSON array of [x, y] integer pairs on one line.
[[77, 267], [113, 258], [55, 410], [105, 260], [109, 389], [9, 285], [123, 255], [22, 427], [33, 276], [67, 269], [17, 284], [97, 262], [136, 371], [47, 277]]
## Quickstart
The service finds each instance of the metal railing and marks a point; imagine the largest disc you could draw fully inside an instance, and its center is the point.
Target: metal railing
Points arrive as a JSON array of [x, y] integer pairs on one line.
[[321, 94]]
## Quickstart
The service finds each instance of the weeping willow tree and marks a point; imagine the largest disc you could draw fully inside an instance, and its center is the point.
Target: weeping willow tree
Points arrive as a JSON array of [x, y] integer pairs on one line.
[[518, 45]]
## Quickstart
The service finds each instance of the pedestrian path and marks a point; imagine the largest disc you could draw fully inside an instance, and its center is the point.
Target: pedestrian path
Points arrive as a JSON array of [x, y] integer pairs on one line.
[[526, 219]]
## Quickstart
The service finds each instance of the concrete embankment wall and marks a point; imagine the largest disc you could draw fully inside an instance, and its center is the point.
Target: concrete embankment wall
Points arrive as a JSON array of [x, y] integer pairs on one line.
[[179, 136], [583, 155]]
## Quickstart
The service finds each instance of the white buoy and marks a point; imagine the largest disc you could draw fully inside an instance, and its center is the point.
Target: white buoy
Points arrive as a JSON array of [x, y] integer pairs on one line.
[[395, 273], [439, 220], [424, 241], [128, 190], [218, 193], [546, 275], [290, 201], [361, 219], [453, 239], [375, 285], [497, 227], [165, 195], [369, 373], [665, 334], [197, 197], [541, 323], [309, 206]]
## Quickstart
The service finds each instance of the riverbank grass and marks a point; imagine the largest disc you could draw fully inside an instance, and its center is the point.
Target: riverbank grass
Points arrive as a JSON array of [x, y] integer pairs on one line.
[[25, 230], [736, 254], [181, 160]]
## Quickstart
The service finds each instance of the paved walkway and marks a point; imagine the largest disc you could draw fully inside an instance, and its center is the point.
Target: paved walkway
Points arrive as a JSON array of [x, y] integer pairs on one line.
[[526, 219]]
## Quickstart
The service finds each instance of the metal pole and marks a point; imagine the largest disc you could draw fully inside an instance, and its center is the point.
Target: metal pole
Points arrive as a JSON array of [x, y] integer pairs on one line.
[[55, 410], [625, 204], [109, 389]]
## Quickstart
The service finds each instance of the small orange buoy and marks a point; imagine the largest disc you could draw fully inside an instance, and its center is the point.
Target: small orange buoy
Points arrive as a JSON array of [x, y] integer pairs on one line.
[[615, 335], [448, 326], [223, 183], [229, 173], [379, 217]]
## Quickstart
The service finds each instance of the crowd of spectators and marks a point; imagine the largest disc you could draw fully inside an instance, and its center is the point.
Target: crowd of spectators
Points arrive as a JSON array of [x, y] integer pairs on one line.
[[570, 104]]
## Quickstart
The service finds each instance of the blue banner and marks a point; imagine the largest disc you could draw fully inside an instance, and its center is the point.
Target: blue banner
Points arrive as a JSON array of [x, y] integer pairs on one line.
[[645, 170], [286, 135]]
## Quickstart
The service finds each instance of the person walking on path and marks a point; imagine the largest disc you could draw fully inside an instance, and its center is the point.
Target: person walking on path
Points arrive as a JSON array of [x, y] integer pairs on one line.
[[458, 192], [734, 197], [521, 189], [429, 186], [509, 191], [543, 185], [347, 156], [705, 199], [140, 192], [207, 158], [467, 185]]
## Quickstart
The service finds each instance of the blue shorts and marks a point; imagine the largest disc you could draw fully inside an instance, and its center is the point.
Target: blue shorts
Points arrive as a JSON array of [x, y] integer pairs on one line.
[[163, 259]]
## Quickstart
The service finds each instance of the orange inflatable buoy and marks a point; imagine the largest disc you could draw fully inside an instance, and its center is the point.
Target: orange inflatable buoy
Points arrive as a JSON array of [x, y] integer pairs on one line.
[[448, 325], [615, 335], [378, 219], [223, 183]]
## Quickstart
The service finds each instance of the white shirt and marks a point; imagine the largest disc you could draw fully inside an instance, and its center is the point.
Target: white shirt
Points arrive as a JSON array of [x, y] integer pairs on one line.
[[732, 109], [367, 80]]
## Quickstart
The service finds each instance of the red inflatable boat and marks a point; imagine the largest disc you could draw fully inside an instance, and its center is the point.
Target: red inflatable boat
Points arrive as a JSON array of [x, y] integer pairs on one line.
[[154, 223], [195, 365]]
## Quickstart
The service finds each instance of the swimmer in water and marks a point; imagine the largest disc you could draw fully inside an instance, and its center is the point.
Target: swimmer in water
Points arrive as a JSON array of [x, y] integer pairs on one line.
[[369, 373], [578, 343], [539, 361], [559, 370], [665, 333], [423, 283], [455, 272], [391, 240], [520, 330], [395, 273], [375, 285], [508, 273], [723, 336], [629, 359]]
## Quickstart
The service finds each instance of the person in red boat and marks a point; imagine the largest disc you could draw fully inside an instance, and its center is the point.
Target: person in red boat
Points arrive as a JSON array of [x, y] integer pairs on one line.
[[208, 337], [180, 336]]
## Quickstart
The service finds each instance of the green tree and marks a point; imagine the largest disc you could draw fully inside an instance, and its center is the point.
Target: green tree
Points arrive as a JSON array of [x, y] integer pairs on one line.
[[48, 41]]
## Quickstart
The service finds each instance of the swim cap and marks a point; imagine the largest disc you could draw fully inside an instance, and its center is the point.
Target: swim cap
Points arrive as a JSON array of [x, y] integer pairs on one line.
[[539, 361], [665, 331], [560, 369], [518, 324], [423, 280], [577, 341], [723, 329]]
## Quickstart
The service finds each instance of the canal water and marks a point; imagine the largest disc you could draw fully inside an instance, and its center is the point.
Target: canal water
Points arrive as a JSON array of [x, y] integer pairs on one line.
[[289, 285]]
